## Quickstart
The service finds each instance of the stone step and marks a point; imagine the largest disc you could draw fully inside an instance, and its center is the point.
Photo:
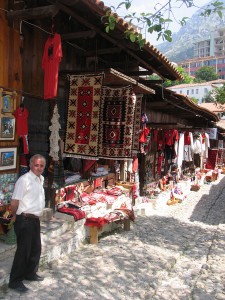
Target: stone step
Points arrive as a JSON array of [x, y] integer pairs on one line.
[[57, 226], [60, 236]]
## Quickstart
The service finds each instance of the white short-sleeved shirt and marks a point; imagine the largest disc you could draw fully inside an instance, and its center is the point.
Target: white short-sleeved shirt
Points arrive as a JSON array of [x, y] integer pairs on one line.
[[29, 192]]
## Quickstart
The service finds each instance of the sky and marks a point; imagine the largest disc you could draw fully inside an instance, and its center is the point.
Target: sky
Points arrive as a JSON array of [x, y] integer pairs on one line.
[[140, 6]]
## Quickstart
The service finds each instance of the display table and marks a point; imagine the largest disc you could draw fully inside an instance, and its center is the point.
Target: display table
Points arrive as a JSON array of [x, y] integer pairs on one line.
[[94, 230], [130, 186], [101, 208]]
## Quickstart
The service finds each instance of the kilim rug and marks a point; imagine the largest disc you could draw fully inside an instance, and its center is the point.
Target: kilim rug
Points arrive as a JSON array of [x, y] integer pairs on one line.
[[82, 129], [137, 122], [116, 125]]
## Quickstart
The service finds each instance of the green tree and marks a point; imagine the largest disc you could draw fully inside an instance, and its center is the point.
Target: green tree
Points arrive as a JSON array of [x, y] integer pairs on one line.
[[187, 78], [154, 77], [219, 95], [195, 100], [206, 73], [159, 21], [209, 98]]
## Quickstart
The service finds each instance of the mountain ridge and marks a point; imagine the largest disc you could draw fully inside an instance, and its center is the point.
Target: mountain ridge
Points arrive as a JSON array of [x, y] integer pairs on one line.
[[197, 28]]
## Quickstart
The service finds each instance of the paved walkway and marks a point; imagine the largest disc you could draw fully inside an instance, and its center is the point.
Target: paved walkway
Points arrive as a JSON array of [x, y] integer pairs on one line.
[[176, 253]]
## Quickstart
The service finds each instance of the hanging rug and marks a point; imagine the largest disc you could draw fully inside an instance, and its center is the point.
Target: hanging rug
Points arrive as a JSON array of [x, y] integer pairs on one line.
[[82, 129], [116, 126]]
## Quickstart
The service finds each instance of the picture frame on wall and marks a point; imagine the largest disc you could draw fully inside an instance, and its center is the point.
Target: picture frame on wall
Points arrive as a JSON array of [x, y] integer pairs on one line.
[[8, 157], [8, 103], [7, 128]]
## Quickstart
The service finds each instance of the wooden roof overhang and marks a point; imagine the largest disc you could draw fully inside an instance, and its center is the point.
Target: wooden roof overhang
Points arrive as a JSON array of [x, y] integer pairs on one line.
[[169, 102], [114, 78], [82, 26], [220, 125]]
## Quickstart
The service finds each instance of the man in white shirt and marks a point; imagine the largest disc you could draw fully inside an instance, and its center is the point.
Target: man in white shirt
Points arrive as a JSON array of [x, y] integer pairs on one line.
[[27, 204]]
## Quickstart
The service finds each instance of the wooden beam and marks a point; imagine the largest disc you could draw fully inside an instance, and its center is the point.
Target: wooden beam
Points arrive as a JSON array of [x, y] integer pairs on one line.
[[70, 2], [105, 35], [76, 47], [78, 35], [139, 73], [152, 81], [103, 51], [33, 13]]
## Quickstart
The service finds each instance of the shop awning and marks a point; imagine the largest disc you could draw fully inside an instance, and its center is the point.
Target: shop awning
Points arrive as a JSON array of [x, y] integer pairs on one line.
[[114, 78], [169, 102]]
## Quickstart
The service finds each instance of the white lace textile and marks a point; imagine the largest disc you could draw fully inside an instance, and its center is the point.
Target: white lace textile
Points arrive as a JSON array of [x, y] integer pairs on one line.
[[54, 137]]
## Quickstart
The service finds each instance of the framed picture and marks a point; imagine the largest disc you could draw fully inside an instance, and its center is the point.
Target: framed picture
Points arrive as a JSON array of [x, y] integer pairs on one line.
[[8, 158], [7, 129], [8, 102]]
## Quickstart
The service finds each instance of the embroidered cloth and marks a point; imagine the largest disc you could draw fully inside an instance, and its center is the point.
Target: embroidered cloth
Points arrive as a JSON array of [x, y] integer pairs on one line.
[[83, 116], [116, 125], [136, 122]]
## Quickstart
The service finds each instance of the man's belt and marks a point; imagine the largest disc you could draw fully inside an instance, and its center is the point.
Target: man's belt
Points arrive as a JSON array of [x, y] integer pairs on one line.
[[26, 215]]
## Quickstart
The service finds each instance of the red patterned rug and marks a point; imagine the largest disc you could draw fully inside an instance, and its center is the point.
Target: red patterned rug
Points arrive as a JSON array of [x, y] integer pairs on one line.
[[116, 122], [83, 116]]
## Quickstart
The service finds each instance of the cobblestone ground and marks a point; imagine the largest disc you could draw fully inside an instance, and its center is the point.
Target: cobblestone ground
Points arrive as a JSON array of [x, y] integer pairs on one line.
[[177, 253]]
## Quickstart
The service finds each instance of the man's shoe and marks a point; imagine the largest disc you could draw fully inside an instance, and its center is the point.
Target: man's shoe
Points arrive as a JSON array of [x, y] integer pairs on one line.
[[19, 287], [35, 278]]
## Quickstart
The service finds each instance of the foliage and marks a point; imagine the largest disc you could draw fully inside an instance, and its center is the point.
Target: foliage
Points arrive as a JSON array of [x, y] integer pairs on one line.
[[187, 78], [195, 100], [154, 77], [209, 98], [206, 73], [219, 94], [158, 21]]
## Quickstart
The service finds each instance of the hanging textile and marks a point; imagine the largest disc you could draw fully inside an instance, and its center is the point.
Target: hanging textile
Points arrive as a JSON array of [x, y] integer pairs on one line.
[[82, 130], [21, 115], [50, 64], [116, 126], [54, 137], [136, 122]]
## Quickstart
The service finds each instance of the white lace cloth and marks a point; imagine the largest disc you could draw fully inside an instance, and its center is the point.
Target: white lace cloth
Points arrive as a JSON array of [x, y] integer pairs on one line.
[[54, 137]]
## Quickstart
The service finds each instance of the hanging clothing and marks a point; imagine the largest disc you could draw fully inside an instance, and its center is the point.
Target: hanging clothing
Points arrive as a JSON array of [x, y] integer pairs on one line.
[[23, 145], [160, 163], [197, 160], [180, 150], [135, 164], [21, 115], [187, 153], [170, 136], [197, 143], [205, 144], [144, 134], [188, 146], [50, 64]]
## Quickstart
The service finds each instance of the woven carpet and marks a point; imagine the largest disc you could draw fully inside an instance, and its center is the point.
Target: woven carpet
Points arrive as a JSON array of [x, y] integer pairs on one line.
[[83, 116], [116, 122]]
